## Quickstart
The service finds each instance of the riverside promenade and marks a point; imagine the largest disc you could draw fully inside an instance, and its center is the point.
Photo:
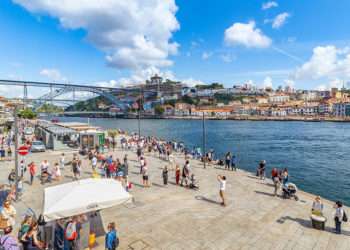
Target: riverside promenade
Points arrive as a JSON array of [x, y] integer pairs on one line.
[[175, 217]]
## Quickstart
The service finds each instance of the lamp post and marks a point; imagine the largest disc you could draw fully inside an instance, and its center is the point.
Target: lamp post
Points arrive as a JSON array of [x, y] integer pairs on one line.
[[139, 114], [204, 142], [16, 148]]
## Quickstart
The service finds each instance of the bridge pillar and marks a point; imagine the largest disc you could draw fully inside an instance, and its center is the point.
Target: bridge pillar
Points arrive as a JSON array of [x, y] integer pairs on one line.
[[25, 95]]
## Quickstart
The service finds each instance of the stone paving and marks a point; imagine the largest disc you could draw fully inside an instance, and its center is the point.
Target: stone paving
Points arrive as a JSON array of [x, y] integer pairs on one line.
[[174, 217]]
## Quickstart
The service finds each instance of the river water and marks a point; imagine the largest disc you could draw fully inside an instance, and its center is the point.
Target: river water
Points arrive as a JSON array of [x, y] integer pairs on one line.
[[317, 155]]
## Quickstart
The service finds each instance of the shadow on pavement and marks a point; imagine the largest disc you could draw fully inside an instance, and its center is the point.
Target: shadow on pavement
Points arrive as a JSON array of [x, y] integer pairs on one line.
[[158, 185], [138, 185], [202, 198], [265, 193]]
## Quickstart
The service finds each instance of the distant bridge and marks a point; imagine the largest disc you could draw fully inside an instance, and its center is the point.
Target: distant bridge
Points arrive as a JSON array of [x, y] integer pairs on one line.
[[59, 89]]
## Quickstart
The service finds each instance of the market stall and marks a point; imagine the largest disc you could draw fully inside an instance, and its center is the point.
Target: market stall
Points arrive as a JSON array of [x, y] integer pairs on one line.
[[82, 196]]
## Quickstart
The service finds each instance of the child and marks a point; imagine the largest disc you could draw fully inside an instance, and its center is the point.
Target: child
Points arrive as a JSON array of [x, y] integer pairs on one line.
[[177, 174]]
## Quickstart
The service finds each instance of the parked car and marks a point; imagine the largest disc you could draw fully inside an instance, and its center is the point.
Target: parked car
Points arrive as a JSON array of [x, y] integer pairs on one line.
[[28, 131], [37, 146]]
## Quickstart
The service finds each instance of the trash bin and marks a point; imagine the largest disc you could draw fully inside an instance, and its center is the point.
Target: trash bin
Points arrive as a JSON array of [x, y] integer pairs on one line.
[[318, 222]]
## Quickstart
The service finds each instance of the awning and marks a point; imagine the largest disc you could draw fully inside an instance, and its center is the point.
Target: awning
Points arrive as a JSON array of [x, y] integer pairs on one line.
[[82, 196]]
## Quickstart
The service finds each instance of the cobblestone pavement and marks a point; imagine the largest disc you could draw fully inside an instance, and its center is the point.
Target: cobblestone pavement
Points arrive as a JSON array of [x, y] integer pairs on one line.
[[174, 217]]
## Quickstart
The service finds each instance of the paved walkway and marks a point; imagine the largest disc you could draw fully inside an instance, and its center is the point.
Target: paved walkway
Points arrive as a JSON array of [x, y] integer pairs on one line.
[[174, 217]]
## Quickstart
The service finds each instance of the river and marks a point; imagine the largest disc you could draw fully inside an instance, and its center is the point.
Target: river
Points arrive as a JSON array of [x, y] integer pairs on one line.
[[317, 155]]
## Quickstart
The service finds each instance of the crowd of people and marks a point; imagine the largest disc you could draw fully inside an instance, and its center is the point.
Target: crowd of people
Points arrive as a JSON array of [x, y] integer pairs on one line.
[[104, 164]]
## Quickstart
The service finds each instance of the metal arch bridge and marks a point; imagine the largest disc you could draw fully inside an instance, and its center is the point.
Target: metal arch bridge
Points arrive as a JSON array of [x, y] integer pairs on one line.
[[59, 89]]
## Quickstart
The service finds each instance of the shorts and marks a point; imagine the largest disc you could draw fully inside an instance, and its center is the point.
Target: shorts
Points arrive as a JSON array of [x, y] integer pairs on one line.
[[145, 177]]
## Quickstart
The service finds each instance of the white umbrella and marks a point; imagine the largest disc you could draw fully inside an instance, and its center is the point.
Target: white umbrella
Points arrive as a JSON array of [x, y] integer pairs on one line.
[[82, 196]]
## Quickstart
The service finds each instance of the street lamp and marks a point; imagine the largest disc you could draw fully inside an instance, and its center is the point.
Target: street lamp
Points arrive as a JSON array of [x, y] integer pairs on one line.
[[139, 113], [203, 138], [16, 148]]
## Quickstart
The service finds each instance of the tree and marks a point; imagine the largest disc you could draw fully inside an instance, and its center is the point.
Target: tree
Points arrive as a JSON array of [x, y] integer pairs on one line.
[[214, 85], [50, 108], [112, 133], [159, 110], [27, 113]]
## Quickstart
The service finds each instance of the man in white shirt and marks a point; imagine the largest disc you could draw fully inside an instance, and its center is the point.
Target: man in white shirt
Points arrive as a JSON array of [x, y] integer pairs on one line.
[[338, 216], [94, 162], [45, 166], [222, 181], [62, 161]]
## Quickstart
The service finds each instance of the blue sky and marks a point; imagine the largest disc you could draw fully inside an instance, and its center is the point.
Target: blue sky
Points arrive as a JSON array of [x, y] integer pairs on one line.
[[185, 40]]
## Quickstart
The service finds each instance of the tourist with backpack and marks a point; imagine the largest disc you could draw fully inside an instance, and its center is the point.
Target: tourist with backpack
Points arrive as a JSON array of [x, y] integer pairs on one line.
[[339, 216], [72, 233], [111, 239], [7, 241]]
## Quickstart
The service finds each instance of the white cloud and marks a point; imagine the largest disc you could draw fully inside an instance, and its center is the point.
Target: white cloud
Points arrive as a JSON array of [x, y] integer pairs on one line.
[[227, 58], [246, 34], [190, 82], [326, 62], [334, 83], [280, 20], [139, 77], [53, 74], [267, 82], [289, 83], [134, 34], [206, 55], [269, 5]]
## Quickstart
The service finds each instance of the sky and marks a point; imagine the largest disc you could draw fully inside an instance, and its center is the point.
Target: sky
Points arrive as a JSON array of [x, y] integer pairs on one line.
[[304, 44]]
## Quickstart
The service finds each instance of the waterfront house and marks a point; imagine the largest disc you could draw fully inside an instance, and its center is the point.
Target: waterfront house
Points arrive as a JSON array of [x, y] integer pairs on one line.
[[325, 108], [279, 98], [211, 111], [183, 109], [341, 109], [168, 110], [262, 100]]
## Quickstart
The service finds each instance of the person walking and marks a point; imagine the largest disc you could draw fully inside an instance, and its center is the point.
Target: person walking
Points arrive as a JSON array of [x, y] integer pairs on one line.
[[165, 175], [185, 174], [62, 161], [145, 176], [111, 239], [228, 160], [261, 170], [177, 174], [126, 165], [142, 163], [222, 181], [233, 163], [276, 180], [94, 163], [338, 216], [32, 170]]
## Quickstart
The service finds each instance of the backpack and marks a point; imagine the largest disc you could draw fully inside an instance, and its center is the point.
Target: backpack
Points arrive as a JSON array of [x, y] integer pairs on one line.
[[345, 217], [71, 231], [2, 243], [115, 243]]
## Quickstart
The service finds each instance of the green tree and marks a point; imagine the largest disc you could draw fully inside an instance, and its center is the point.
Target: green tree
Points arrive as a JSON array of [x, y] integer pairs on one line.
[[214, 85], [50, 108], [112, 133], [159, 110], [27, 113]]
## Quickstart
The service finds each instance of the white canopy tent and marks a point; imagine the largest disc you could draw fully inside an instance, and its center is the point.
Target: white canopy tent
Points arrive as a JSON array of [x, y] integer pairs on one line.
[[82, 196]]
